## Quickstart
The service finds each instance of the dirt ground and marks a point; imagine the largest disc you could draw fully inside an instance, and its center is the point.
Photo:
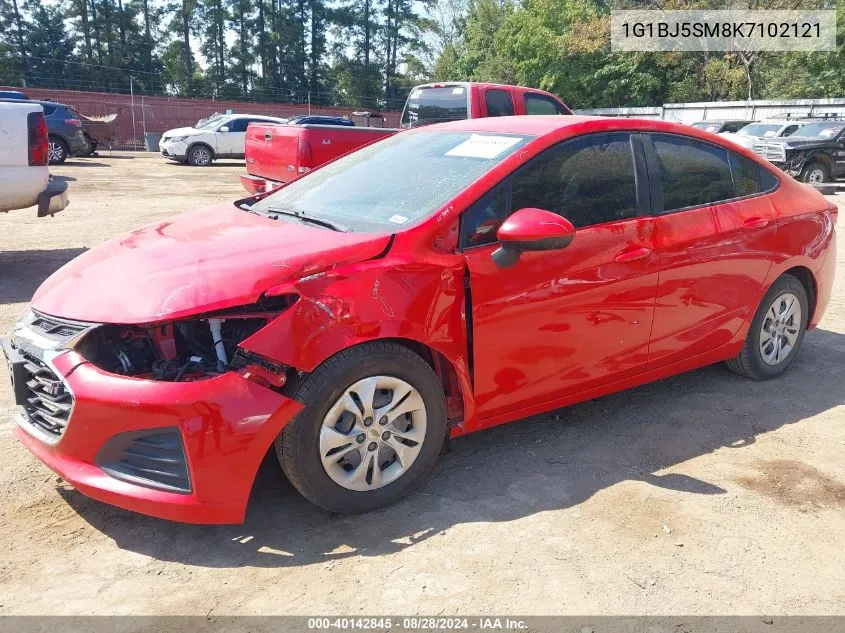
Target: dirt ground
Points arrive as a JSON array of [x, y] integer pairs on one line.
[[702, 494]]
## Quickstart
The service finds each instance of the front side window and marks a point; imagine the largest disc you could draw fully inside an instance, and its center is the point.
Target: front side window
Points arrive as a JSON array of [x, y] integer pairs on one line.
[[691, 173], [238, 125], [499, 103], [392, 184], [536, 103]]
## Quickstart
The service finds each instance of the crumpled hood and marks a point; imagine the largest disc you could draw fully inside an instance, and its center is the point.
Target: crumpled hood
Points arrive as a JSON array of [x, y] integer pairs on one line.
[[198, 262], [181, 131]]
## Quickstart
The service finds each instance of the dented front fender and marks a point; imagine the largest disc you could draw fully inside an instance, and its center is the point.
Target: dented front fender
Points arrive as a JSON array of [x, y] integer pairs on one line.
[[374, 300]]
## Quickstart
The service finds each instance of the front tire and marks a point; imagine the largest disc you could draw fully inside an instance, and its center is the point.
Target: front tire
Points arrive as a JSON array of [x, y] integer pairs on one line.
[[200, 156], [57, 150], [776, 332], [373, 425], [815, 174]]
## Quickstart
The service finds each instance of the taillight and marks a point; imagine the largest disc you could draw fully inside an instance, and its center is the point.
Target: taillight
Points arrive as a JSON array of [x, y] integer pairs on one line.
[[37, 138], [76, 122], [303, 152]]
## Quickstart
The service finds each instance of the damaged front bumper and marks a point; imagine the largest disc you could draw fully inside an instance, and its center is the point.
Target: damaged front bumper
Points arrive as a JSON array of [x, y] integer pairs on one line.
[[184, 451]]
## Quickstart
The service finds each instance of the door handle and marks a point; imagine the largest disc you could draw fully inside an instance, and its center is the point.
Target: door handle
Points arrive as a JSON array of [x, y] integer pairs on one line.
[[632, 254], [268, 136], [755, 223]]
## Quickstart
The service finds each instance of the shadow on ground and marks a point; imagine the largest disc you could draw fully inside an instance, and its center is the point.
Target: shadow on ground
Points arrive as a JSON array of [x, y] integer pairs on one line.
[[21, 272], [544, 463]]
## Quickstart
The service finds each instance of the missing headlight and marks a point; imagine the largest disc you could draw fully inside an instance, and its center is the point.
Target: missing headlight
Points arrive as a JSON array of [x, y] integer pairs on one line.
[[185, 350]]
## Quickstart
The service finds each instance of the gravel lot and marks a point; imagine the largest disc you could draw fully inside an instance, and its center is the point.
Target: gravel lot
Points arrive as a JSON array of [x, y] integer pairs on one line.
[[702, 494]]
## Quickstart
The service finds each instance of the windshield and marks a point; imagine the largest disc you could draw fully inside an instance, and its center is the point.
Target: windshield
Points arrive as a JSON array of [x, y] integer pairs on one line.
[[435, 105], [709, 126], [214, 121], [765, 130], [396, 182], [823, 129]]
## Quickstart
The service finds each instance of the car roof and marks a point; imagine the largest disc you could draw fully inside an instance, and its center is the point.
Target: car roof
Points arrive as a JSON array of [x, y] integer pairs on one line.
[[40, 102], [539, 125]]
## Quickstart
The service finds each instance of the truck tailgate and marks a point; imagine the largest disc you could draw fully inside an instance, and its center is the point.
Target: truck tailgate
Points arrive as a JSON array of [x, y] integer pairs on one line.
[[270, 148], [322, 143]]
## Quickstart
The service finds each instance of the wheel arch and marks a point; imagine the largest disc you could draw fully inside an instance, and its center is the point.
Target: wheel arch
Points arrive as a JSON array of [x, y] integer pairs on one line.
[[204, 144], [823, 159], [808, 280]]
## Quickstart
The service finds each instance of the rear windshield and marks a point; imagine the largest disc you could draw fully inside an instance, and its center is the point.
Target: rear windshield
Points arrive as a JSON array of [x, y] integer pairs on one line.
[[435, 105], [394, 183]]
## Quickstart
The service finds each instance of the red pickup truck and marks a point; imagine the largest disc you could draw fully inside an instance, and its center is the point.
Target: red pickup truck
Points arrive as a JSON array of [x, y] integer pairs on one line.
[[278, 152]]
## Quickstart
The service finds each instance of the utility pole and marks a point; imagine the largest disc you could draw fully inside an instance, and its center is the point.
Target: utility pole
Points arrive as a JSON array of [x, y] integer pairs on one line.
[[132, 102]]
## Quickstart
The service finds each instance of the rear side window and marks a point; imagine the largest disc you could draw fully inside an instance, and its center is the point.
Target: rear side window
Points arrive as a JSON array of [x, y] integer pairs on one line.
[[790, 130], [499, 103], [691, 173], [746, 175], [536, 103], [435, 105], [735, 126], [588, 181], [49, 110]]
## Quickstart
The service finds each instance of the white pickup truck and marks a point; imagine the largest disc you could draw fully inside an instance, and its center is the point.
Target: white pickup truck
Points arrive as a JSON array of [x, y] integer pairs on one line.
[[24, 176]]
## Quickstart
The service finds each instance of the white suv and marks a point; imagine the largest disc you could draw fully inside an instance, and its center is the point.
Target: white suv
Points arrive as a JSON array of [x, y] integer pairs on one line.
[[221, 136], [754, 135]]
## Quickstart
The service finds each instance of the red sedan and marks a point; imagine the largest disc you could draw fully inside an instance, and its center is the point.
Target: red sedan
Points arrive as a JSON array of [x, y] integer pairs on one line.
[[441, 281]]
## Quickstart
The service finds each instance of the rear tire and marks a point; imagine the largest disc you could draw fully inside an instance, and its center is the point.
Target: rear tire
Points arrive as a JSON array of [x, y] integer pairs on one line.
[[776, 332], [338, 451], [815, 173], [57, 150], [200, 156]]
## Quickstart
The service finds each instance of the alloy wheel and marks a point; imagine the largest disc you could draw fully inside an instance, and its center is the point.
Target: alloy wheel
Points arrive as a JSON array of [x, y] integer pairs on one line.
[[779, 332], [202, 156], [373, 433]]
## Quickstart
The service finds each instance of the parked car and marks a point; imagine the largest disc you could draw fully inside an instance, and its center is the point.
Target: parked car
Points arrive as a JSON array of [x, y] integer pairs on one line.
[[274, 155], [755, 135], [441, 281], [722, 125], [309, 119], [813, 154], [12, 94], [64, 128], [24, 176], [217, 137]]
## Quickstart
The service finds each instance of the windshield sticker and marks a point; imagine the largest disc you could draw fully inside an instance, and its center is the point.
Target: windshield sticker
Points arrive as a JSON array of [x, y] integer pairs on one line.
[[768, 134], [397, 219], [482, 146], [827, 133]]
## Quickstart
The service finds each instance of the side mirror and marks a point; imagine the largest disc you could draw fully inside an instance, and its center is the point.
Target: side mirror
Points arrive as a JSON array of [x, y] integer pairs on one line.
[[225, 128], [531, 230]]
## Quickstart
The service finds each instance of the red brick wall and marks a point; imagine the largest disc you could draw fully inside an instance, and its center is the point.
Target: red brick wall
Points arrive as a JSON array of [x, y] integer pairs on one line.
[[164, 113]]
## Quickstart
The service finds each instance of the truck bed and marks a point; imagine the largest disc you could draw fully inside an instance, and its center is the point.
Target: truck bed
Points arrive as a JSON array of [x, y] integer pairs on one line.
[[281, 152]]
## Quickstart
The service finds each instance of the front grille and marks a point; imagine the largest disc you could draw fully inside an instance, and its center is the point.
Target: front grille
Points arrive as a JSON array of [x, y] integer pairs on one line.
[[62, 329], [153, 458], [48, 401], [759, 148], [775, 153]]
